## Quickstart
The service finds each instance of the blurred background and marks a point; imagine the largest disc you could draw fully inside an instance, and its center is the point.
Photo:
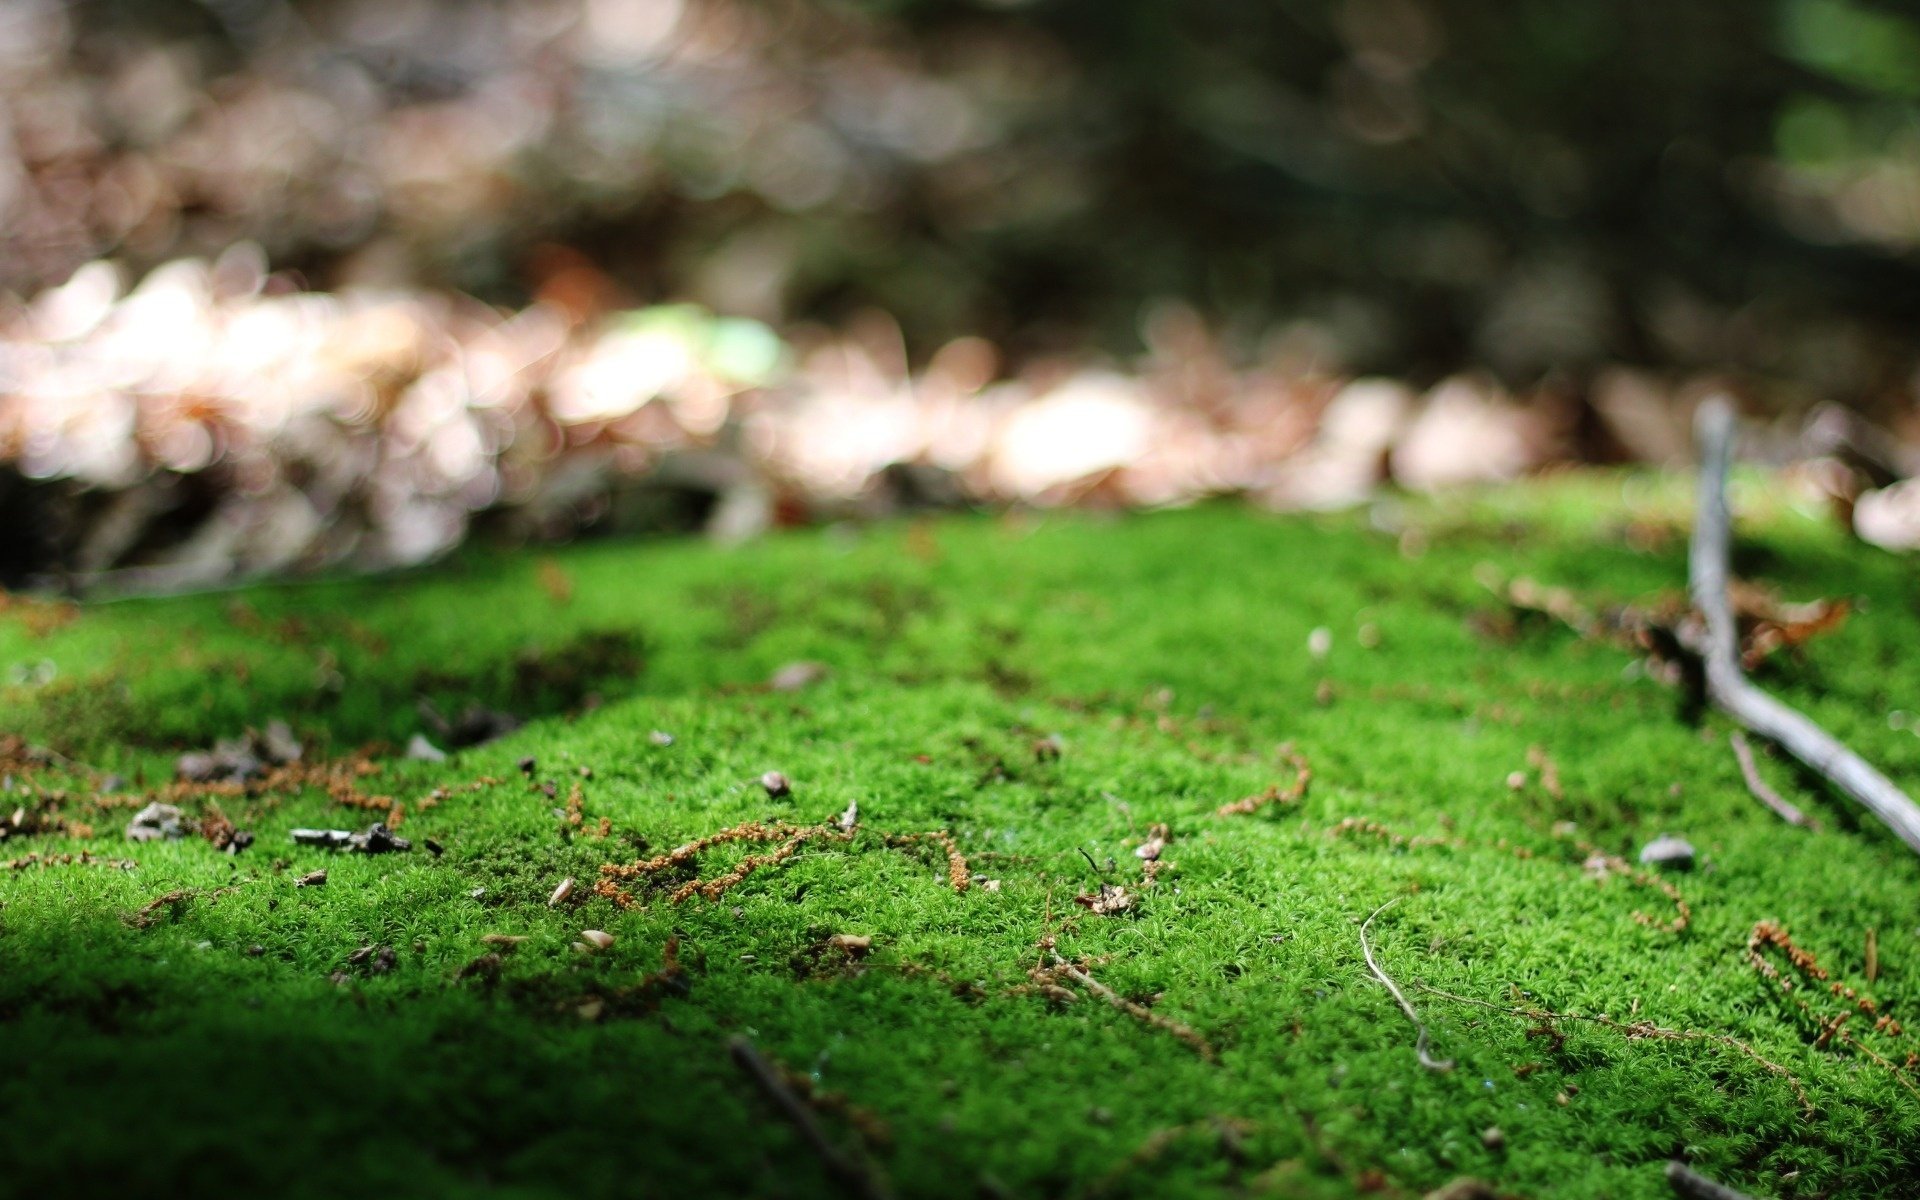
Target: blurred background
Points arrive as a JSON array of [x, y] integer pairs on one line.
[[288, 286]]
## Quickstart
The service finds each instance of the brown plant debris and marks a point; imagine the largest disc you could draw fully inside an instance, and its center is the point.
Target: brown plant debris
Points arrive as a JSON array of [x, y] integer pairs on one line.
[[39, 617], [1631, 1030], [1230, 1132], [168, 904], [790, 838], [1601, 865], [1538, 759], [1770, 935], [83, 858], [851, 1173], [958, 873], [1111, 900], [1046, 978], [221, 831], [1374, 829], [1291, 793]]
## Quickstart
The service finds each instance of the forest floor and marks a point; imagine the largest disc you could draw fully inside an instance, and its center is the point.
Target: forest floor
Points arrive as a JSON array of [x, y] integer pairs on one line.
[[953, 948]]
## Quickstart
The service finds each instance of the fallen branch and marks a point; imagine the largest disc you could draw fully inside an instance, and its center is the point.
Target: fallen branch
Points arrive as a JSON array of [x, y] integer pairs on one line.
[[1763, 793], [1686, 1181], [1719, 651], [847, 1171], [1420, 1043]]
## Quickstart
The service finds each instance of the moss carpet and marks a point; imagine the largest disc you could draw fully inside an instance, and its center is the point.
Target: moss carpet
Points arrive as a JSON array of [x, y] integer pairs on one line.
[[1079, 1020]]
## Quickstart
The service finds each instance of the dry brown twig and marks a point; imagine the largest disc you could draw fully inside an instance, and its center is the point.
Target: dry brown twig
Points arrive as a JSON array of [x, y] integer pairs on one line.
[[1292, 793], [1139, 1012], [1717, 645], [1633, 1030], [1763, 793], [855, 1176], [1420, 1042]]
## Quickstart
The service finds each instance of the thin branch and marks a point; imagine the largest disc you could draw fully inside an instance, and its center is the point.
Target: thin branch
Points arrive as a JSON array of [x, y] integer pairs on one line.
[[1718, 648], [1763, 793], [1636, 1029], [1688, 1182], [1139, 1012], [1420, 1043], [847, 1171]]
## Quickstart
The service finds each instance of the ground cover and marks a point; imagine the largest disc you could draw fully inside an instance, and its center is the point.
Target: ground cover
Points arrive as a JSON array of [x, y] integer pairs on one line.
[[942, 934]]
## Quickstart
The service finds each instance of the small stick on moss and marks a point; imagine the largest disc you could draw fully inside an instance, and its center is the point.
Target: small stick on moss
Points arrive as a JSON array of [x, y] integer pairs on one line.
[[1420, 1042], [1763, 793], [1686, 1181], [1139, 1012], [1291, 794], [1718, 647], [1873, 955], [1634, 1030], [850, 1173]]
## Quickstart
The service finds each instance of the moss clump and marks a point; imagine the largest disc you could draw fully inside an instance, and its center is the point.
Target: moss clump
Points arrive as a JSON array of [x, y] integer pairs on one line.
[[1046, 692]]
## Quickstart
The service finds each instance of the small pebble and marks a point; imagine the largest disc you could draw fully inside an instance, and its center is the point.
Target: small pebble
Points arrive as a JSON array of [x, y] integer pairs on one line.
[[776, 784], [660, 737], [1492, 1138], [312, 879], [1320, 642], [1517, 780], [797, 675], [1667, 851], [422, 750], [560, 893], [599, 939]]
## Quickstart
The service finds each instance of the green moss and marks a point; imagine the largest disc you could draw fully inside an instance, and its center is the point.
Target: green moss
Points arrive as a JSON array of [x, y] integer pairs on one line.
[[1169, 656]]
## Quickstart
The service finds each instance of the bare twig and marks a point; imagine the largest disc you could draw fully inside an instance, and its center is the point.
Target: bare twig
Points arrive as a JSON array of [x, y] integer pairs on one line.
[[1633, 1030], [1420, 1043], [1719, 651], [1139, 1012], [1688, 1182], [1761, 792], [847, 1171]]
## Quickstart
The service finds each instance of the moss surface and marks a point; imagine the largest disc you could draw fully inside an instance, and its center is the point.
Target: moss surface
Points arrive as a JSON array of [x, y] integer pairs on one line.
[[1040, 688]]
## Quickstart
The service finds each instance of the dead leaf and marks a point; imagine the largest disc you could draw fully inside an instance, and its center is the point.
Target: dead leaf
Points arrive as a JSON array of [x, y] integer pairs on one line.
[[1110, 899]]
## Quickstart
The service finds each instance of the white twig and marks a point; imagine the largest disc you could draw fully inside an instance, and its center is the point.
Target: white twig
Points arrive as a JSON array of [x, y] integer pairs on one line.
[[1420, 1042], [1718, 648]]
